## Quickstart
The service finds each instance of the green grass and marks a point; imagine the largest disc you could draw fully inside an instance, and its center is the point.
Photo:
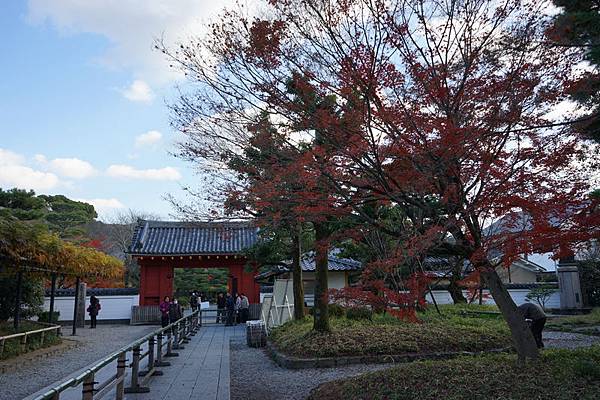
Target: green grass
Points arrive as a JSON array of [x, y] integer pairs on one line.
[[13, 347], [387, 335], [559, 374], [570, 323]]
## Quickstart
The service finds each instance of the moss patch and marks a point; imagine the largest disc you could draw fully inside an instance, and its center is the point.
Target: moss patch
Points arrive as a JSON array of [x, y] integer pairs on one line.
[[575, 323], [559, 374], [449, 332]]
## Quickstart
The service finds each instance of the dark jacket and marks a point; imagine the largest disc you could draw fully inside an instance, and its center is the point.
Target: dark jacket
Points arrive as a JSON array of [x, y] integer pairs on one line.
[[221, 302], [531, 311], [174, 312], [230, 303], [94, 308]]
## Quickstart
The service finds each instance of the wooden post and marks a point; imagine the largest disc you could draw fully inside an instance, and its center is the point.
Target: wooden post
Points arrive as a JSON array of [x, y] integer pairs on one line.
[[186, 330], [24, 344], [135, 371], [135, 367], [75, 303], [159, 356], [52, 294], [88, 387], [17, 315], [121, 365], [150, 354], [170, 352], [176, 346]]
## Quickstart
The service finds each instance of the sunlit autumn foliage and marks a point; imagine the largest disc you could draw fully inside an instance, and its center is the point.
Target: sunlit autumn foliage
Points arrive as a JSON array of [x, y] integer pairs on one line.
[[32, 248]]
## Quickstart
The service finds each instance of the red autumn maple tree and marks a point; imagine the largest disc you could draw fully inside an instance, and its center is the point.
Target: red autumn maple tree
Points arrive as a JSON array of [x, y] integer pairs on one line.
[[441, 108]]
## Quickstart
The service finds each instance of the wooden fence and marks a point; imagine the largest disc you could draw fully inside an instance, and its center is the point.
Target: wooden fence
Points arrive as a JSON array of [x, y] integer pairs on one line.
[[23, 336], [171, 337]]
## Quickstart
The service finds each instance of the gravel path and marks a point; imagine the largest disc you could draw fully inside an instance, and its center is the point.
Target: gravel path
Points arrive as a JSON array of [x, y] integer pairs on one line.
[[255, 377], [26, 377], [568, 340]]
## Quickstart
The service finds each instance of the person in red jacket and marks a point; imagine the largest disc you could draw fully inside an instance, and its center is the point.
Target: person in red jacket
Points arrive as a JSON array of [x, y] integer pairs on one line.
[[164, 311]]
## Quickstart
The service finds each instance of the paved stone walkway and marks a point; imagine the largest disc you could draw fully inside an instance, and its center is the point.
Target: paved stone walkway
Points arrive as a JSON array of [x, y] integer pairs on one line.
[[28, 377], [200, 372]]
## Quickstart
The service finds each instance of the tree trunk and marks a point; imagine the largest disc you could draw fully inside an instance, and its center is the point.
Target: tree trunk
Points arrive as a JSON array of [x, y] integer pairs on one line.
[[297, 276], [455, 290], [17, 316], [52, 295], [520, 332], [321, 312]]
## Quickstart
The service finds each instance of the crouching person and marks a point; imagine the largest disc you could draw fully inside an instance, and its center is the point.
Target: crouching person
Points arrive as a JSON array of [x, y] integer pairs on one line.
[[535, 315]]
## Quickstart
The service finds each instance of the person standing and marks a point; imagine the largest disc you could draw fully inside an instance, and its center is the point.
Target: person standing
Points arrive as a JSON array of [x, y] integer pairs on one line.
[[238, 308], [194, 301], [221, 308], [175, 313], [93, 309], [534, 313], [230, 306], [164, 311], [245, 306]]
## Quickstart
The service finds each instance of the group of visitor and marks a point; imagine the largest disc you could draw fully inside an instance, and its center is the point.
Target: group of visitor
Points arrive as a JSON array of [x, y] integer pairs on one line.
[[170, 311], [196, 299], [232, 309]]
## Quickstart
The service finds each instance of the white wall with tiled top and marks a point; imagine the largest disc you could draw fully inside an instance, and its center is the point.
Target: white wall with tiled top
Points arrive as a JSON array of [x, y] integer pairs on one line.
[[113, 307]]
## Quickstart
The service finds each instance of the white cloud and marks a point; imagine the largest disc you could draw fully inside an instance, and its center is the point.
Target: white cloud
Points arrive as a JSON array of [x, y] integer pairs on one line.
[[68, 167], [131, 26], [40, 158], [72, 168], [103, 204], [138, 91], [7, 158], [147, 139], [13, 173], [127, 171]]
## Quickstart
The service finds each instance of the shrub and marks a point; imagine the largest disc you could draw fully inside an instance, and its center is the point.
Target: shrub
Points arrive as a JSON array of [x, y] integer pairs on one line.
[[359, 313], [32, 296], [541, 294], [43, 316], [183, 301], [335, 310]]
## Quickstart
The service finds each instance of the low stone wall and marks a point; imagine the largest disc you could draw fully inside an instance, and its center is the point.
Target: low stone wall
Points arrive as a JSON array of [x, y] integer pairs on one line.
[[291, 362]]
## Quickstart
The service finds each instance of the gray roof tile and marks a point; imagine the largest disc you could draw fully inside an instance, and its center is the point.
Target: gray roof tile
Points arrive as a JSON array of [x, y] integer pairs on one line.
[[168, 237], [335, 263]]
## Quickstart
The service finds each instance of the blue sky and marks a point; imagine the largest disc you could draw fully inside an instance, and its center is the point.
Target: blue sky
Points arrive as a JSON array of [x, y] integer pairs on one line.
[[82, 105]]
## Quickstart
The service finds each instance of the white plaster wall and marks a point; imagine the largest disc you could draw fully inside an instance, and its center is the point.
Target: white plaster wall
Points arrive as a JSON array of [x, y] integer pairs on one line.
[[335, 279], [113, 307], [518, 296]]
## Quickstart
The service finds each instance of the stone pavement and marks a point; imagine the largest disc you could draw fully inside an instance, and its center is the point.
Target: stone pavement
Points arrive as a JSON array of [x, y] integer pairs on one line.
[[200, 372]]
